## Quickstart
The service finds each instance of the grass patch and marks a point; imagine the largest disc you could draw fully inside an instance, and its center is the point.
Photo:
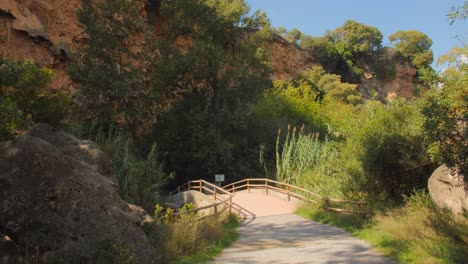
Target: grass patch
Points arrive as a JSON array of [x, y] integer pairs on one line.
[[419, 232], [188, 240], [211, 251], [350, 223]]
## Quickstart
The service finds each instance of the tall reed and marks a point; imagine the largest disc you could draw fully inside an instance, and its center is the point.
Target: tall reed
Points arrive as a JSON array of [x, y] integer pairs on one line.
[[305, 160], [140, 175]]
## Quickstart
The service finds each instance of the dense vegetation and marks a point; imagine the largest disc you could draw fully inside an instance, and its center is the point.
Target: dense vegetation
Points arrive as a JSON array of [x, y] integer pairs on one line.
[[195, 99], [354, 48], [25, 99]]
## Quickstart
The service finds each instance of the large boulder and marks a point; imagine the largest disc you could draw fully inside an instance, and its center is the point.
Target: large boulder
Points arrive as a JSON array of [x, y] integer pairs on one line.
[[60, 199], [448, 190]]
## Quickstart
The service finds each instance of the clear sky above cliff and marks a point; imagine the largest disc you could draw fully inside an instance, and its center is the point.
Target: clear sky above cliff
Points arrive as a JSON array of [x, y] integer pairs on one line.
[[314, 17]]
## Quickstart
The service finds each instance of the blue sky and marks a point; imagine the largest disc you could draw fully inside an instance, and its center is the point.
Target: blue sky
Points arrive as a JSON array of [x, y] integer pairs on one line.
[[314, 17]]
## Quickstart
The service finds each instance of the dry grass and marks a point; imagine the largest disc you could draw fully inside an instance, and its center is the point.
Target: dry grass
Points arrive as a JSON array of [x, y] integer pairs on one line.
[[420, 233], [186, 236]]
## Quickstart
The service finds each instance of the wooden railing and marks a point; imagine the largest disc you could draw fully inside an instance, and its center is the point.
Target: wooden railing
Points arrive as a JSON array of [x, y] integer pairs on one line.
[[221, 197], [296, 192]]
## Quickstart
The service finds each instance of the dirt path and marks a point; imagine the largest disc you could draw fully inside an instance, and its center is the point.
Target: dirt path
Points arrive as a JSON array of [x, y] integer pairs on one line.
[[272, 234]]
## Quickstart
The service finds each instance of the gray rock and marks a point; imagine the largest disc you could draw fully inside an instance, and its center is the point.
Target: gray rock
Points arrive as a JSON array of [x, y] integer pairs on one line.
[[59, 197], [448, 190]]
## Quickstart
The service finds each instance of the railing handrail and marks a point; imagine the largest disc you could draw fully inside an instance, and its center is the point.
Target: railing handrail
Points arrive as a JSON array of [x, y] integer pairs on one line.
[[293, 189], [228, 190], [215, 190]]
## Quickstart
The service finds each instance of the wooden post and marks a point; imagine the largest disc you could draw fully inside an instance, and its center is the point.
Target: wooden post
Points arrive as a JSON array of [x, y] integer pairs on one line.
[[215, 193], [289, 196], [266, 187], [189, 186], [230, 205], [248, 186], [178, 189], [201, 187], [216, 209]]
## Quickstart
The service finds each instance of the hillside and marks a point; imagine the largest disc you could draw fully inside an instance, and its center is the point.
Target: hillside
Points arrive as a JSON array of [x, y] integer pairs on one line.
[[48, 32]]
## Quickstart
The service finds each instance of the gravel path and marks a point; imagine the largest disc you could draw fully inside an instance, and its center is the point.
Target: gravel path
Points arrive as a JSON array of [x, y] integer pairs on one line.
[[273, 234]]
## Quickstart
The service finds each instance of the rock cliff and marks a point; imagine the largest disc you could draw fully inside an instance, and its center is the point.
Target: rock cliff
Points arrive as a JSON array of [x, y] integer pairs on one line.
[[48, 32], [287, 60], [402, 85]]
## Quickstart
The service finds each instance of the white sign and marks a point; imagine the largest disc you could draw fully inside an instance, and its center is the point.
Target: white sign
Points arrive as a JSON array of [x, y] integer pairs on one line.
[[219, 177]]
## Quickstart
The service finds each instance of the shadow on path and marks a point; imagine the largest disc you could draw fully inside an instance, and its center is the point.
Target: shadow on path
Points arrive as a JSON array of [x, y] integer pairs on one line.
[[275, 235]]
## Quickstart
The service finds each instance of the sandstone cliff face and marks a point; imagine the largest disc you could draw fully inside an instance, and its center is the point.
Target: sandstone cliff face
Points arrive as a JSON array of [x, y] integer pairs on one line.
[[46, 31], [59, 198], [287, 60], [402, 85]]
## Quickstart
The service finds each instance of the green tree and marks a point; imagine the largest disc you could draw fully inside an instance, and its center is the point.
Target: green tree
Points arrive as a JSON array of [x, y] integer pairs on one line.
[[294, 35], [414, 46], [458, 13], [282, 31], [446, 113], [108, 68], [220, 75], [356, 43], [355, 38], [323, 50]]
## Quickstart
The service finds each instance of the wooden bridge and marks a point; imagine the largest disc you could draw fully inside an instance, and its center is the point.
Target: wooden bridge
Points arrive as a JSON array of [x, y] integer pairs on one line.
[[242, 196]]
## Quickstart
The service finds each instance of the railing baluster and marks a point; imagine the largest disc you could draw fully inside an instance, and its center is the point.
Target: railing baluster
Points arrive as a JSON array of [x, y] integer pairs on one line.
[[288, 189]]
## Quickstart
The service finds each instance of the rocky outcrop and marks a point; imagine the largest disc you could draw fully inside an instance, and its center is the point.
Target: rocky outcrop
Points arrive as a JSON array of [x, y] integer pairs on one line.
[[448, 190], [286, 59], [46, 31], [401, 85], [60, 198]]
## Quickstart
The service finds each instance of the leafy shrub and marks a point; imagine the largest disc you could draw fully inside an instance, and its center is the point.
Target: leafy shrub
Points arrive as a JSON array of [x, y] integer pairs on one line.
[[387, 156], [25, 98], [323, 50], [109, 251], [11, 118]]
